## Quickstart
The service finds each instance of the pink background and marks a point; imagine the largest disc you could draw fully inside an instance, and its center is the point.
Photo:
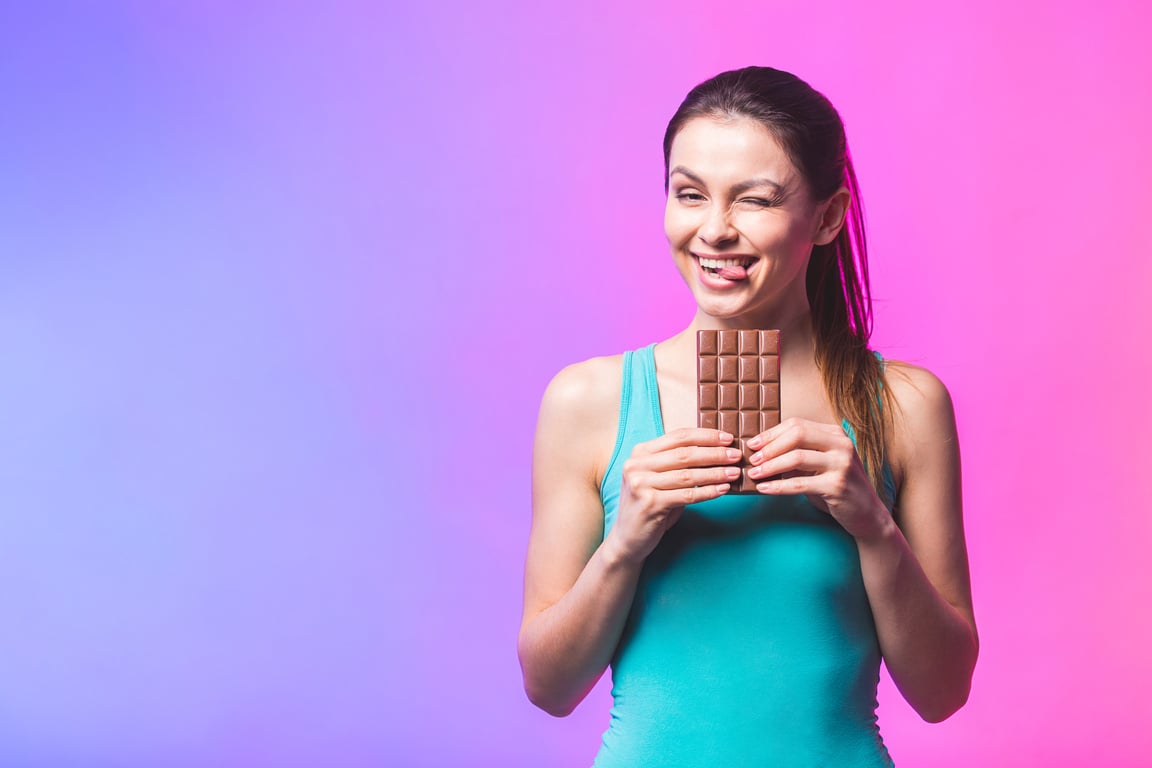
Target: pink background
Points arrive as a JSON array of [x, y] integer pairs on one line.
[[263, 498]]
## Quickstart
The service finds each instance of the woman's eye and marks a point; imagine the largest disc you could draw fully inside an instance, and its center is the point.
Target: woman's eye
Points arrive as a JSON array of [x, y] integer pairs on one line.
[[691, 197], [757, 201]]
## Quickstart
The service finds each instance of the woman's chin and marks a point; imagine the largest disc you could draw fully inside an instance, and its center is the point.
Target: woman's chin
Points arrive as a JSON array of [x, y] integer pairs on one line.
[[727, 312]]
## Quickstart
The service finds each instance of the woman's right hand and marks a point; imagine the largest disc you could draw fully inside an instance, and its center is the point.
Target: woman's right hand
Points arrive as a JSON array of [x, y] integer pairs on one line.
[[662, 476]]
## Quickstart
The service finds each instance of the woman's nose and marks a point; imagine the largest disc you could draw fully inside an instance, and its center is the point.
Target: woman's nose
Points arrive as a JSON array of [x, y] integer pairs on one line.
[[717, 228]]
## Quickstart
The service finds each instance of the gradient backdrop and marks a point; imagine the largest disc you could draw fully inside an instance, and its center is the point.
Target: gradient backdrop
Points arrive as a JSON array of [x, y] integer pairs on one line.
[[281, 285]]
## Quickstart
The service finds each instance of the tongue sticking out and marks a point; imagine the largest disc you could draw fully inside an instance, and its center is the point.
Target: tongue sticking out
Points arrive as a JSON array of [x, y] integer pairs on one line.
[[733, 273]]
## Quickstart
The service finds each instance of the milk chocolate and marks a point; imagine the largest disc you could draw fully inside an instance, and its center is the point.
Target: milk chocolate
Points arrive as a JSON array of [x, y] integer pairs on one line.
[[738, 377]]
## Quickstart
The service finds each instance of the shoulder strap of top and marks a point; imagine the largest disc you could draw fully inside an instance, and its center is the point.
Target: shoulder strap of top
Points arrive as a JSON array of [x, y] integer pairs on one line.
[[625, 398], [639, 417], [648, 361]]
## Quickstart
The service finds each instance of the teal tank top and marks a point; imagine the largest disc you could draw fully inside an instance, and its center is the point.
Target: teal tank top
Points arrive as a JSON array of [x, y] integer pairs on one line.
[[750, 640]]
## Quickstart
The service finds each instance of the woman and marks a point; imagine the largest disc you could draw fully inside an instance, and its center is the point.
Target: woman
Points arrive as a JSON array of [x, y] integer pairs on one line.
[[748, 630]]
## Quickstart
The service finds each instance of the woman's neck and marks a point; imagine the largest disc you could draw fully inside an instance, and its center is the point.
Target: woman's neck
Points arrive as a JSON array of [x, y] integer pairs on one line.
[[797, 338]]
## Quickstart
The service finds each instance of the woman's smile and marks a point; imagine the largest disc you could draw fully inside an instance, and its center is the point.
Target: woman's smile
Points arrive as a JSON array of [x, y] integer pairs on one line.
[[726, 267]]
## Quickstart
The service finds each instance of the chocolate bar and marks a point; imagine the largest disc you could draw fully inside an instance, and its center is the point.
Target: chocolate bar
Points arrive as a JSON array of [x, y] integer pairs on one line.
[[738, 377]]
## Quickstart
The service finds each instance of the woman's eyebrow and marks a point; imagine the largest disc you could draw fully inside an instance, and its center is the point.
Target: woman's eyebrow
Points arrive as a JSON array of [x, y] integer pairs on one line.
[[742, 186], [685, 172]]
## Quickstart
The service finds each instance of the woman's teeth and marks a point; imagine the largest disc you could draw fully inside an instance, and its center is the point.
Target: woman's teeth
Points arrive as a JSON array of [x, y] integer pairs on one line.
[[729, 269], [721, 263]]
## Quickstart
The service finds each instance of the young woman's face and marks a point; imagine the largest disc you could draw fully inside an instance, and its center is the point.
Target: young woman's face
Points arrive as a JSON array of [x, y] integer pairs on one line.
[[740, 221]]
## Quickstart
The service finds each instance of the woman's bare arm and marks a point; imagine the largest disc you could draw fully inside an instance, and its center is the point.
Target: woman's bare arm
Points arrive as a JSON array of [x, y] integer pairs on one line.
[[576, 592], [916, 574], [578, 589]]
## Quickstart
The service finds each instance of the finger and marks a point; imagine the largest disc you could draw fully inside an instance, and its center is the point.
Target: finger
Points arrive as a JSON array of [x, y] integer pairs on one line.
[[793, 424], [685, 457], [798, 460], [690, 478], [687, 436], [796, 433], [808, 485], [695, 494]]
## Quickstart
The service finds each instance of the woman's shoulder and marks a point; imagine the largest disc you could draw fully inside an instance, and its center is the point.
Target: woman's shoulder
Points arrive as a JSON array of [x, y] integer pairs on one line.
[[586, 385], [584, 397], [922, 415], [918, 392], [580, 411]]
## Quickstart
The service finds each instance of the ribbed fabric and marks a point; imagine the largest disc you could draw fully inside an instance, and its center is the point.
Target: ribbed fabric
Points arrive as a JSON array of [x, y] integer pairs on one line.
[[750, 641]]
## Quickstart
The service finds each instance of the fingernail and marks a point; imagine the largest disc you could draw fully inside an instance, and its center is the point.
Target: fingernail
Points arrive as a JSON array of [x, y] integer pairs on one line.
[[756, 458], [733, 454], [726, 437], [732, 472], [755, 442]]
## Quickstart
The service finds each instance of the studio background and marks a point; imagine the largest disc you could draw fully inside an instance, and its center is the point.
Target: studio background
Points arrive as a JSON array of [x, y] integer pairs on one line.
[[281, 285]]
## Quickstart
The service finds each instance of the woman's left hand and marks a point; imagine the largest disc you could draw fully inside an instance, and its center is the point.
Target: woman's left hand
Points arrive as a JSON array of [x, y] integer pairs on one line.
[[829, 471]]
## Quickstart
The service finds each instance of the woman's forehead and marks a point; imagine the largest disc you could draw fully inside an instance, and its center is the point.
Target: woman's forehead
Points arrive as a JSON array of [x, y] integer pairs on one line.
[[728, 149]]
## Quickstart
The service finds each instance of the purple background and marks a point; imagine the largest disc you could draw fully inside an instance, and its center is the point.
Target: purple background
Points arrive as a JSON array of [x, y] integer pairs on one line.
[[263, 501]]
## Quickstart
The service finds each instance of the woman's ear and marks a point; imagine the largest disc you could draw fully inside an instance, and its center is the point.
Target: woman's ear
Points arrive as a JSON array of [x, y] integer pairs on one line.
[[832, 217]]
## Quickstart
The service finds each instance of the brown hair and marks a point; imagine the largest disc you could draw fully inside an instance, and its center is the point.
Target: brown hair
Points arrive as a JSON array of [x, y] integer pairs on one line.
[[811, 132]]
